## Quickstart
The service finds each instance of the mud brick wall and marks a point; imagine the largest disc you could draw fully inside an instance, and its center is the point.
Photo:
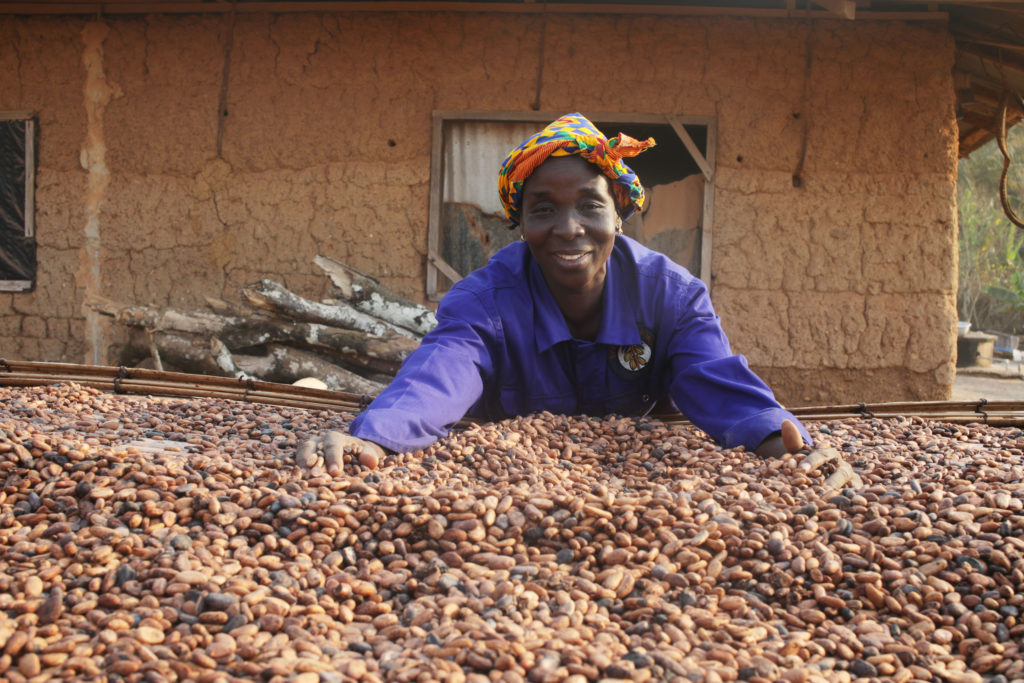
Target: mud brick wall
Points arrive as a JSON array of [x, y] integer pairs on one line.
[[842, 289]]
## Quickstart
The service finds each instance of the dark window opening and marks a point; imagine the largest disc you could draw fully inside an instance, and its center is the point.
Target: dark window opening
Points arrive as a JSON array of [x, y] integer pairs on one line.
[[17, 199]]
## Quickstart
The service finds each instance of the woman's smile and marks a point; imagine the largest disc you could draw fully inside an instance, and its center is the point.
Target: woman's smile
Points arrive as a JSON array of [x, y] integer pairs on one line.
[[571, 258]]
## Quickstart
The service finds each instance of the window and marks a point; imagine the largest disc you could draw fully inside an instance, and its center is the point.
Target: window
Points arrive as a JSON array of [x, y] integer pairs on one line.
[[467, 224], [17, 201]]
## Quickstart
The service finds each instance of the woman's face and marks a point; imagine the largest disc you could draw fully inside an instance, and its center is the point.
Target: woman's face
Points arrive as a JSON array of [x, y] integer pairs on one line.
[[569, 220]]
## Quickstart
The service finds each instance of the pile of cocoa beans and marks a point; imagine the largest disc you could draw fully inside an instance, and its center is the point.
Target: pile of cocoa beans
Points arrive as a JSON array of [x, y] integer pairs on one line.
[[161, 539]]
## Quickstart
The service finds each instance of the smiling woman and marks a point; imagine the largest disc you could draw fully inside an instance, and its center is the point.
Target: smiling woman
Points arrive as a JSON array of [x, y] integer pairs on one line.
[[575, 318], [467, 223]]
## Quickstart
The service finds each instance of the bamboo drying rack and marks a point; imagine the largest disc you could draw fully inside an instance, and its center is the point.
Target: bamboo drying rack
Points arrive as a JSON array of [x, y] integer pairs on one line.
[[140, 381]]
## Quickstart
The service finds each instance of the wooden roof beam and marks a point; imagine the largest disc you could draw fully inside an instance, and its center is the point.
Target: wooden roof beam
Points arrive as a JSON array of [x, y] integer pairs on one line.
[[977, 120], [967, 35], [988, 94], [963, 3], [993, 57], [386, 6]]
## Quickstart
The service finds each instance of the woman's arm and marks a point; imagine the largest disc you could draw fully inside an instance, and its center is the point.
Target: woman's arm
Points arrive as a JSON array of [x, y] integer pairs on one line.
[[436, 386], [433, 390], [439, 381], [713, 386]]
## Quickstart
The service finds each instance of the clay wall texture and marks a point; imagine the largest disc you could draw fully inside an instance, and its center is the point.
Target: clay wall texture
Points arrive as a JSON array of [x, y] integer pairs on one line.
[[840, 290]]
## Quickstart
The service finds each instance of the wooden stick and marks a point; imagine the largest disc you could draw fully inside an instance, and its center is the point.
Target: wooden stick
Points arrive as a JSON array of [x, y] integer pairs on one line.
[[380, 355], [190, 352], [355, 349], [373, 298], [155, 354], [236, 331], [273, 296], [113, 7], [222, 357], [285, 364]]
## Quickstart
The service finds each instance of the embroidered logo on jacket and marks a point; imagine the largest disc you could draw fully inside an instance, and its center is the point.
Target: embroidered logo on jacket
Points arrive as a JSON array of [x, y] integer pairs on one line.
[[629, 362], [634, 357]]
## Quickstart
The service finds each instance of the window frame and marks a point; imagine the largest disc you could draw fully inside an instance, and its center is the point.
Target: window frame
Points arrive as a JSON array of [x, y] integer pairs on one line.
[[439, 118], [29, 117]]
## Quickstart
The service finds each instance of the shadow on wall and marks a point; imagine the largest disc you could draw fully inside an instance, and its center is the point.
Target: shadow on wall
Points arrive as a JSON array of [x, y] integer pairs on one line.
[[671, 221]]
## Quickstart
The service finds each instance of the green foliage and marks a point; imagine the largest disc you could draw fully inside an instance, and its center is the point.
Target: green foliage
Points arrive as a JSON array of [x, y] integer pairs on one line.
[[991, 267]]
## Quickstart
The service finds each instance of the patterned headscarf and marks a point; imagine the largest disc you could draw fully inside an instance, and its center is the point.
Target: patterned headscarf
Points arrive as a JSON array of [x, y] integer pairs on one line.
[[574, 134]]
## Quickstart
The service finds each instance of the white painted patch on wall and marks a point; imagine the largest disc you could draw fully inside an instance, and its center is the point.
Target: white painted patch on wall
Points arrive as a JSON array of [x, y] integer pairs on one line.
[[97, 94]]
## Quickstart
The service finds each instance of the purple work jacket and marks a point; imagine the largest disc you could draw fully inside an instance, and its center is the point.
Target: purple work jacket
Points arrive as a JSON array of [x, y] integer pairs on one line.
[[502, 348]]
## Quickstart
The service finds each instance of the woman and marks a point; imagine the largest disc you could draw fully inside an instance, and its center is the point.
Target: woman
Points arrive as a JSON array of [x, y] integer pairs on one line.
[[575, 318]]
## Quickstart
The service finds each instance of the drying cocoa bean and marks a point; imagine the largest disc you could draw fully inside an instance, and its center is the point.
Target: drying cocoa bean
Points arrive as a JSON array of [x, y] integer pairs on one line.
[[155, 538]]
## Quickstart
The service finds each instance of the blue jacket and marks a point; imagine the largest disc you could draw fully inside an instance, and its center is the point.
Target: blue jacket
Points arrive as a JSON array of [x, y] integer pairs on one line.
[[502, 348]]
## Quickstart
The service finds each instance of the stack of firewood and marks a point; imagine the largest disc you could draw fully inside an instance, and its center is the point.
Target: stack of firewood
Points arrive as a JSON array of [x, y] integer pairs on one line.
[[354, 341]]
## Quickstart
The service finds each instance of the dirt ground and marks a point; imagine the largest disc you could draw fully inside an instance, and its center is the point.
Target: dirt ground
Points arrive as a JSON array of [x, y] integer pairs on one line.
[[1004, 382]]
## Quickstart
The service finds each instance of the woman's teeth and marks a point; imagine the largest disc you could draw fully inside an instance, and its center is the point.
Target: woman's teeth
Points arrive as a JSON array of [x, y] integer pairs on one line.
[[571, 258]]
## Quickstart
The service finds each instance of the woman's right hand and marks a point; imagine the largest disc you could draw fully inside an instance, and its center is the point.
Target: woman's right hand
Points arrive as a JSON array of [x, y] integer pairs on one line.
[[335, 444], [787, 440]]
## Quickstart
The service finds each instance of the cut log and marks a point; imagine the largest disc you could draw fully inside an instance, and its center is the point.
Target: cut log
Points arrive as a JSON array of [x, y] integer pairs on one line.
[[222, 357], [236, 332], [209, 356], [359, 350], [273, 296], [227, 308], [371, 297], [155, 354], [192, 353], [285, 364]]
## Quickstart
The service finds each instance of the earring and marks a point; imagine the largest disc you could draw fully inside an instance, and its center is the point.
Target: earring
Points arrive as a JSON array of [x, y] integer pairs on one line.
[[521, 238]]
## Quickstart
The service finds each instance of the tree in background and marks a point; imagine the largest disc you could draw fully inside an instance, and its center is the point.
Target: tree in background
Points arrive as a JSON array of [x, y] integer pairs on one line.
[[991, 265]]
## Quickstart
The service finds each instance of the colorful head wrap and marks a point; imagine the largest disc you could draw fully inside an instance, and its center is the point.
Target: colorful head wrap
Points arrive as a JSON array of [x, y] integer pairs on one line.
[[574, 134]]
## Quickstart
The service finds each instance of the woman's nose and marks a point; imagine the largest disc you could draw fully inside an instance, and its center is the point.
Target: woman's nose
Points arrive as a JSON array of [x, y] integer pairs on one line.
[[568, 224]]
